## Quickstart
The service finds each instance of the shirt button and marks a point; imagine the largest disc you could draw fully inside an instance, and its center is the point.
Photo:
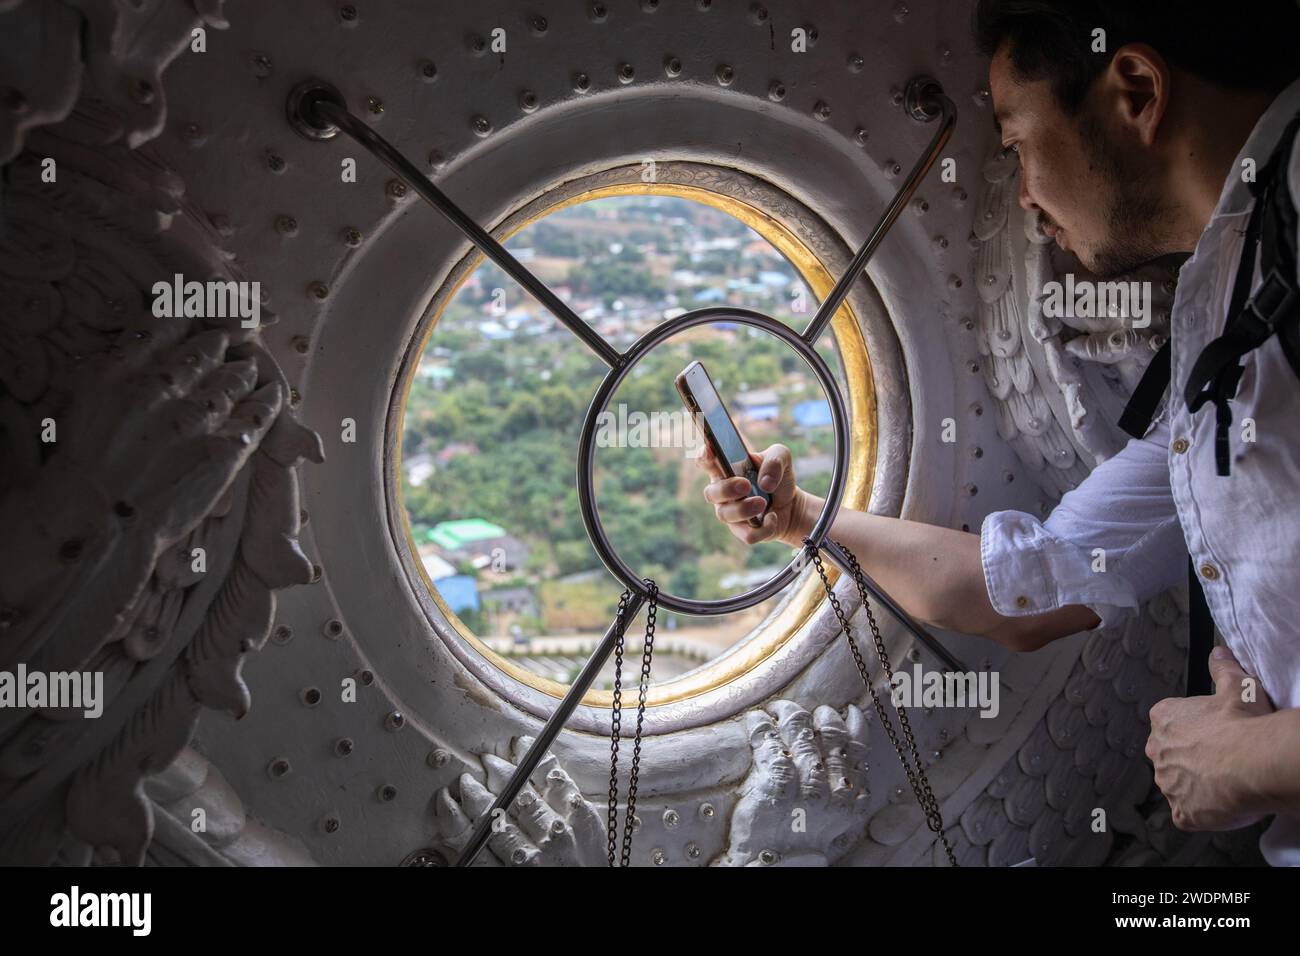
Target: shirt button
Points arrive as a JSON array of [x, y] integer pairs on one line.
[[1179, 446], [1022, 601], [1209, 572]]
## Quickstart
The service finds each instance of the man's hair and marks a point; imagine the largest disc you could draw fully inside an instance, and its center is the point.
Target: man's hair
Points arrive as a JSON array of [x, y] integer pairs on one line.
[[1245, 45]]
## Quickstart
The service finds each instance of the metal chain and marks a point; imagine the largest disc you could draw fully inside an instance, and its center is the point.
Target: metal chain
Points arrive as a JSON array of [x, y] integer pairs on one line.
[[916, 777], [647, 652], [611, 820]]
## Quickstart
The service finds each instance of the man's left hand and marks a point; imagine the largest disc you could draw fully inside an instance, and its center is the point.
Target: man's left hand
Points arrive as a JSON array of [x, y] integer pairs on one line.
[[1195, 743]]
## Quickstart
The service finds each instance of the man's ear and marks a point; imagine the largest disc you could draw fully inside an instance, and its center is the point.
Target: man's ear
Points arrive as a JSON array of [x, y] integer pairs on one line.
[[1137, 83]]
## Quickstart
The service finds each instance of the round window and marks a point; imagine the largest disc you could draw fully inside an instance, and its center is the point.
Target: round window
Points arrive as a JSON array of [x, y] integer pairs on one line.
[[496, 391]]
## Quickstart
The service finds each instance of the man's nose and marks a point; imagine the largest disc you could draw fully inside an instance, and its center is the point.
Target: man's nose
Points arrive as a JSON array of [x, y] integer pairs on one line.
[[1022, 194]]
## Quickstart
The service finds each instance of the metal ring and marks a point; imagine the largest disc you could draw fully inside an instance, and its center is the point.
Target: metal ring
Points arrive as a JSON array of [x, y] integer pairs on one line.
[[586, 456]]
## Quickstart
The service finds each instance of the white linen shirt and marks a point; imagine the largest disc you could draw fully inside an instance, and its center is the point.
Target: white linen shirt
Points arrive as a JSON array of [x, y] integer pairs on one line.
[[1158, 499]]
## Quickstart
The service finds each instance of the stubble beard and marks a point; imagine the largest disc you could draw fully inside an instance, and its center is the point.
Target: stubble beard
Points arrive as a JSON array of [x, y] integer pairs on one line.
[[1134, 211]]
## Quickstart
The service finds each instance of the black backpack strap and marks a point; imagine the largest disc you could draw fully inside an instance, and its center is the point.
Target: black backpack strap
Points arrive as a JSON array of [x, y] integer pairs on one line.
[[1142, 404], [1200, 636], [1252, 319]]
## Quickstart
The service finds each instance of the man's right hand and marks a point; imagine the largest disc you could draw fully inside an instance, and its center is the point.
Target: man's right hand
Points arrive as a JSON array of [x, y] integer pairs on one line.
[[734, 505]]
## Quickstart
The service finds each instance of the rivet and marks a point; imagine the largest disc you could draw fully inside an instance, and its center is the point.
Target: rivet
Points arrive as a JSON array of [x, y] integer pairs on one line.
[[941, 242], [528, 101], [301, 344], [672, 66], [972, 490], [822, 110], [279, 767], [704, 5], [333, 628], [481, 125], [375, 105], [976, 451], [316, 570], [351, 237], [428, 70], [538, 23], [658, 857], [282, 634], [344, 746], [395, 721], [707, 811], [954, 282], [649, 6], [958, 195], [311, 696], [477, 45], [519, 856], [626, 73], [303, 516], [972, 366], [261, 65], [767, 857], [318, 290], [914, 655], [367, 677], [860, 135], [758, 13], [330, 824], [776, 91], [436, 159], [275, 163], [597, 12], [892, 167], [1008, 476], [348, 14], [286, 225], [981, 97], [896, 96], [192, 133], [693, 851], [900, 12], [856, 63], [581, 82], [725, 74], [438, 758], [387, 793], [671, 818], [142, 91]]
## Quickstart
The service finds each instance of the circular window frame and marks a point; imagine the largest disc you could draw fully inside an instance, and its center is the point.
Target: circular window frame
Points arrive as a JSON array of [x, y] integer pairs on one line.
[[879, 436]]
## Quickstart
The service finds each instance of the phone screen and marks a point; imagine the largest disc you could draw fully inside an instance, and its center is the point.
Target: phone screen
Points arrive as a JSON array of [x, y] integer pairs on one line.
[[724, 430]]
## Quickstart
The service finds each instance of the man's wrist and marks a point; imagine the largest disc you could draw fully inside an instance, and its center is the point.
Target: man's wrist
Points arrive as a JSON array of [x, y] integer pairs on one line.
[[802, 515], [1263, 756]]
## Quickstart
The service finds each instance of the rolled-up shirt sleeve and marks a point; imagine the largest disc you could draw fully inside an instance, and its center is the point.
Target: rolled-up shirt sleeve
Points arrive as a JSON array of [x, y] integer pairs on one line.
[[1112, 542]]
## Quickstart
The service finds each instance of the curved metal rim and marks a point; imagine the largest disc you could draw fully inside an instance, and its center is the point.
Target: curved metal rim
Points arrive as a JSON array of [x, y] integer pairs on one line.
[[586, 457]]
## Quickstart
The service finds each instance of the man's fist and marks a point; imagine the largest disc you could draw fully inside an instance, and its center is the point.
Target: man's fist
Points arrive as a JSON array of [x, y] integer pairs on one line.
[[1194, 744]]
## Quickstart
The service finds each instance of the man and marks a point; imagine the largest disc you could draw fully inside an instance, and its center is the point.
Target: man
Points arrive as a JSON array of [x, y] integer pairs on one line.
[[1135, 143]]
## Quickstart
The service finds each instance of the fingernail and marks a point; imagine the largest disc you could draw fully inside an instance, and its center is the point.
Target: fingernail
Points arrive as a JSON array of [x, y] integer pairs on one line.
[[766, 482], [1220, 653]]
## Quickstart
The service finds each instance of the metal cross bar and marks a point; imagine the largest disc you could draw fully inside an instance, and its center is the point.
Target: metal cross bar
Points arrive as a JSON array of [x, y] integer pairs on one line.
[[548, 733], [925, 101]]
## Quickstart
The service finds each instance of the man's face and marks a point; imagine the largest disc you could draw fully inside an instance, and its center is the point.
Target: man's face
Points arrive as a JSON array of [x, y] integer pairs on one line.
[[1089, 186]]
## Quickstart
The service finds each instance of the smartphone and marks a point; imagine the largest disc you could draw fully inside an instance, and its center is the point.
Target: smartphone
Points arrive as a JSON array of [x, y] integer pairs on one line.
[[710, 416]]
